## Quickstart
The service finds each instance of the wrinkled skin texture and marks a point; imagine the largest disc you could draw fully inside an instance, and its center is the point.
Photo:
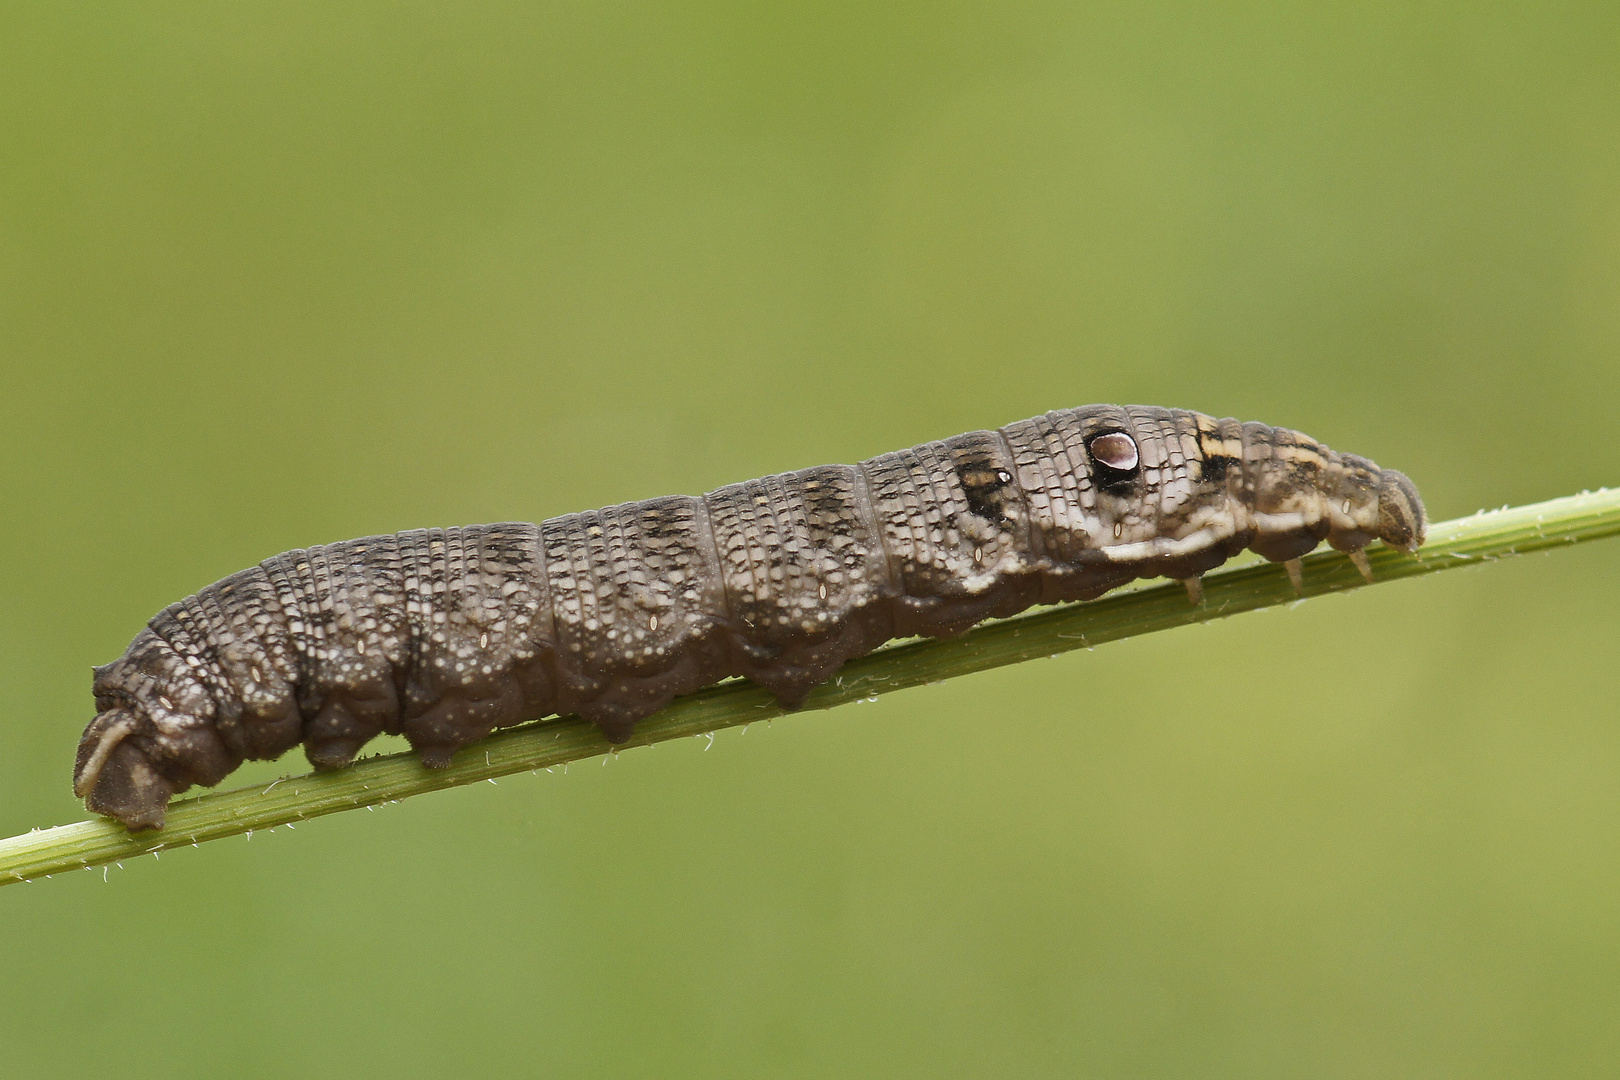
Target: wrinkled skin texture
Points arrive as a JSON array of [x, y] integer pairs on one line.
[[443, 635]]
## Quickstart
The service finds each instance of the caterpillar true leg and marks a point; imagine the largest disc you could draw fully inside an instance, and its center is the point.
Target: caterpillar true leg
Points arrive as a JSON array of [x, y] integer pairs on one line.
[[1195, 589]]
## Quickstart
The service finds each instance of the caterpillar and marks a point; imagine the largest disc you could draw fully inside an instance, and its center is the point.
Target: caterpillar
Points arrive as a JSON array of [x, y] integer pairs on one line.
[[443, 635]]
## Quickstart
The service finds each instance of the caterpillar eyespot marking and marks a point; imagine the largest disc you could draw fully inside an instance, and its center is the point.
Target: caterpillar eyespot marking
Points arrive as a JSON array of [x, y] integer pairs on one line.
[[444, 635]]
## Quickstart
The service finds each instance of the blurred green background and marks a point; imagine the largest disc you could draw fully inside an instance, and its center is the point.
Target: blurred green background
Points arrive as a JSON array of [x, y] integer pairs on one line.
[[282, 274]]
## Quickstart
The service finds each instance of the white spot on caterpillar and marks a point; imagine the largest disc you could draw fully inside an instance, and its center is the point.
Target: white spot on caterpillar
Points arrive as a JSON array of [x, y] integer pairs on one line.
[[483, 641], [652, 623]]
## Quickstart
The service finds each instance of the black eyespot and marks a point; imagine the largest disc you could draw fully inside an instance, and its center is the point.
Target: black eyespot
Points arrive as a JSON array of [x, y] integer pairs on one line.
[[984, 487], [1215, 467], [1115, 450], [1114, 460]]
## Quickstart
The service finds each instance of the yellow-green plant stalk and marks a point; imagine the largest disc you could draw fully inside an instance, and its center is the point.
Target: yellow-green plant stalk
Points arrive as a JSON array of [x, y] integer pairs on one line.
[[1229, 591]]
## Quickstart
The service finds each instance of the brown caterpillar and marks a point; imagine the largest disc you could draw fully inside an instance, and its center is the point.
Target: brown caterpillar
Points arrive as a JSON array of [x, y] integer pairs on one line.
[[443, 635]]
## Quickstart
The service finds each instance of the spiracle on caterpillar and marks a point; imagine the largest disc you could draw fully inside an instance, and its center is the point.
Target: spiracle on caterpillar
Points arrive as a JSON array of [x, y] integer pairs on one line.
[[444, 635]]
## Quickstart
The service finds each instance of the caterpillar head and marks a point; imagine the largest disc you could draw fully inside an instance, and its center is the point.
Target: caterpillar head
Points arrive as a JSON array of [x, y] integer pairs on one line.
[[1401, 520]]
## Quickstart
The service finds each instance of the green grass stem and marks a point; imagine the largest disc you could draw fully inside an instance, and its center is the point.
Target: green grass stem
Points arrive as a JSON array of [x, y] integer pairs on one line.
[[1236, 588]]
